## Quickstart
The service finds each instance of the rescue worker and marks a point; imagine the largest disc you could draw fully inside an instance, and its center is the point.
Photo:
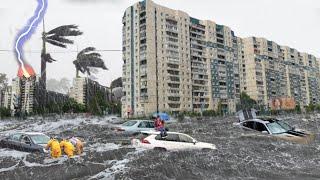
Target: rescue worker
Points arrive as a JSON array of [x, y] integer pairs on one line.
[[54, 146], [67, 147], [77, 143]]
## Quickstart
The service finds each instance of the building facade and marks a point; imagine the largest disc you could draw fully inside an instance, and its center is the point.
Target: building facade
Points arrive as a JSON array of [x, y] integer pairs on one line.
[[6, 94], [270, 71], [175, 63], [84, 90]]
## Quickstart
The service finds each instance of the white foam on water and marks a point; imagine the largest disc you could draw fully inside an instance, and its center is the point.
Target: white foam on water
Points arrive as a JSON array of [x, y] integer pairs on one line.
[[107, 174], [13, 153], [9, 168], [47, 162], [99, 147]]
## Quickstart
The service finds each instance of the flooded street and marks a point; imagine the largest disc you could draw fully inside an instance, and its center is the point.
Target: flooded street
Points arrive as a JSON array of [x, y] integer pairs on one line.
[[107, 155]]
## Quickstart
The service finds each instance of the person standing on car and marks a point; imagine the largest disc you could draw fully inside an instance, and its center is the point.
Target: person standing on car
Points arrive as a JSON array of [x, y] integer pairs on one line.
[[77, 143], [54, 146], [157, 123], [67, 147]]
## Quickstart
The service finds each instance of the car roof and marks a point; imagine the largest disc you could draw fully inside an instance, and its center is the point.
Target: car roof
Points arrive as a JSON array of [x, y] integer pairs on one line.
[[257, 120], [140, 120], [158, 132], [30, 133]]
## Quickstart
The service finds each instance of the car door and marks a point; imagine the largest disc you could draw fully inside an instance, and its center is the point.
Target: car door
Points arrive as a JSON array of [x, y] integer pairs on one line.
[[26, 143], [186, 142], [14, 141], [248, 125], [144, 126], [172, 142]]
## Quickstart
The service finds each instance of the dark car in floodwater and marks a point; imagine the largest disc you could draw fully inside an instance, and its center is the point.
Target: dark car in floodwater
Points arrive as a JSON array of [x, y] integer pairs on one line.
[[26, 141], [277, 128]]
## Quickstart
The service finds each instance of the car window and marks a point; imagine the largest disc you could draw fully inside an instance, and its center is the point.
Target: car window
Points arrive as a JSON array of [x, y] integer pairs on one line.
[[184, 138], [25, 139], [129, 123], [248, 124], [40, 139], [143, 124], [260, 127], [170, 137], [150, 125], [15, 137]]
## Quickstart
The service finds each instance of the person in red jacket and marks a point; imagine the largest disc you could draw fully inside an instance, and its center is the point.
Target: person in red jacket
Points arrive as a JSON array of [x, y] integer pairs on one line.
[[159, 126]]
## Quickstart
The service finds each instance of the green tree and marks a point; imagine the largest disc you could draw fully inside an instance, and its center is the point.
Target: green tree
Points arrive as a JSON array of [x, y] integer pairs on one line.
[[246, 102], [4, 112], [209, 113]]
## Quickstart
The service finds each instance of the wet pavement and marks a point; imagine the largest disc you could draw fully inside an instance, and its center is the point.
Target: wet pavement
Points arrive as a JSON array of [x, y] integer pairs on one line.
[[239, 154]]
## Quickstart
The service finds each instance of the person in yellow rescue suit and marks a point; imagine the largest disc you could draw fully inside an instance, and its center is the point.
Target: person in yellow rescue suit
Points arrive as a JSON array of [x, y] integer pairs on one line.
[[55, 150], [67, 147], [78, 144]]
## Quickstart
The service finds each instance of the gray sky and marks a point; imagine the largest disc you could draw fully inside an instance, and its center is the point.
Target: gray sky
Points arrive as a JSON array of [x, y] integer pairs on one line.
[[295, 23]]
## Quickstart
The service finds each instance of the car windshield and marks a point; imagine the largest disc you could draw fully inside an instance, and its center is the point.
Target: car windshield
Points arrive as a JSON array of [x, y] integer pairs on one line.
[[276, 128], [285, 125], [129, 123], [40, 139]]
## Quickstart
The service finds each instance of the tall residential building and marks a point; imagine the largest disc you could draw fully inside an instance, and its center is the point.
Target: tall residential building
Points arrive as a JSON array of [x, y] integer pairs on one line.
[[174, 62], [27, 94], [6, 94], [84, 90], [270, 71], [15, 95]]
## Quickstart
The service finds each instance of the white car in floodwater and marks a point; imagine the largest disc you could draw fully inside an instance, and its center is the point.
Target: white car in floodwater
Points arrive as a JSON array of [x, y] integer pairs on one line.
[[174, 141]]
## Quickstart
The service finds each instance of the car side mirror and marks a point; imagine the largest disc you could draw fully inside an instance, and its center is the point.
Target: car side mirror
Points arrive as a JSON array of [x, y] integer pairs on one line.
[[194, 142], [265, 132], [293, 128]]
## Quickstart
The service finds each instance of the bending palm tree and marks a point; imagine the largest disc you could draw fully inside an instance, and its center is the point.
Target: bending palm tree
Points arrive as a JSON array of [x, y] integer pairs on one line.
[[88, 58], [56, 37]]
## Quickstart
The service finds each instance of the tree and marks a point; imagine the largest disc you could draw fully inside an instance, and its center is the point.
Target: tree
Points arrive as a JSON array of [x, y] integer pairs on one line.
[[56, 37], [4, 112], [246, 102], [88, 58]]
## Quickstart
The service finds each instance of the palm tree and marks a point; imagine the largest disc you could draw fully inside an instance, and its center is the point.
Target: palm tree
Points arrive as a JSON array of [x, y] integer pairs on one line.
[[56, 37], [88, 58]]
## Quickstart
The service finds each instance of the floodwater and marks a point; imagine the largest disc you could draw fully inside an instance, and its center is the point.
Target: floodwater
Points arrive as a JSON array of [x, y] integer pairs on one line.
[[239, 154]]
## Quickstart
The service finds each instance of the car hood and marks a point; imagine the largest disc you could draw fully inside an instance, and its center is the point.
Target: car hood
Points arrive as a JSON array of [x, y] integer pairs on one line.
[[206, 145], [302, 137]]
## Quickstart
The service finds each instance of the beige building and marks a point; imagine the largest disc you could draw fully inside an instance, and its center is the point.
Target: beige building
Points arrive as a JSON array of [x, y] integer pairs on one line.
[[84, 89], [270, 71], [175, 63]]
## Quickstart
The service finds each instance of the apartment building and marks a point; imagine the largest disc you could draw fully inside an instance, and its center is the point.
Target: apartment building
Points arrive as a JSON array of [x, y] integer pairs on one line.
[[84, 90], [270, 71], [27, 94], [174, 62], [6, 94]]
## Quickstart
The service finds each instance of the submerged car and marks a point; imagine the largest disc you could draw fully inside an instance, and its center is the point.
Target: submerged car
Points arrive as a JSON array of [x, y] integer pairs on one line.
[[174, 141], [277, 128], [134, 127], [26, 141]]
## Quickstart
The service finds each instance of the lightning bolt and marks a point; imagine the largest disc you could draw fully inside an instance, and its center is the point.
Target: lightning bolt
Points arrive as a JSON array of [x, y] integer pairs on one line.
[[28, 30]]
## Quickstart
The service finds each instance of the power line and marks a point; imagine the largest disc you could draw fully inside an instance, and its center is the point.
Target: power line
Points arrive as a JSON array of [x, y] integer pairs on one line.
[[62, 52]]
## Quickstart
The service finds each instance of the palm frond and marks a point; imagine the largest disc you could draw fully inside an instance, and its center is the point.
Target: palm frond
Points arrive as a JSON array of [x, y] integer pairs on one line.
[[56, 43], [48, 58], [59, 39], [65, 30], [86, 50]]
